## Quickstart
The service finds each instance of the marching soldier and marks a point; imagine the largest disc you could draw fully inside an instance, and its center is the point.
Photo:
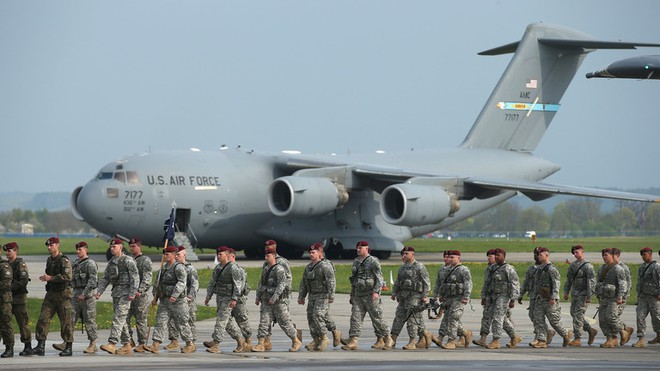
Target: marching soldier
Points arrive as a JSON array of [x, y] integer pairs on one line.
[[19, 294], [610, 290], [580, 282], [171, 289], [192, 287], [122, 273], [139, 308], [6, 329], [58, 299], [648, 297], [486, 317], [319, 282], [85, 281], [617, 259], [410, 290], [287, 292], [242, 332], [528, 287]]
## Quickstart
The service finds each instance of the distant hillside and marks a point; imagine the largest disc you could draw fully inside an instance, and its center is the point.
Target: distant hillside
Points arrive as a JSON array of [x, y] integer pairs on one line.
[[52, 201]]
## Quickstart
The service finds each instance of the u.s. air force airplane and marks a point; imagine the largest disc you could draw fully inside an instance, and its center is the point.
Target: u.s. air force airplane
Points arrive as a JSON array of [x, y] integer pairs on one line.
[[240, 198]]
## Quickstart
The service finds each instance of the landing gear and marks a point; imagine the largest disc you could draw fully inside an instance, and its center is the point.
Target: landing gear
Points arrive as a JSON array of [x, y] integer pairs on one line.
[[254, 253], [292, 254], [348, 254], [332, 249], [382, 255]]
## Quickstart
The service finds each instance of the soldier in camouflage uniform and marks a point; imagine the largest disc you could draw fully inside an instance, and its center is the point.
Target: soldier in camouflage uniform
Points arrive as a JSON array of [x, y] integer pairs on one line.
[[226, 285], [366, 283], [627, 329], [411, 290], [85, 281], [272, 296], [486, 318], [319, 282], [242, 332], [170, 288], [648, 297], [501, 288], [192, 287], [610, 288], [546, 293], [6, 328], [527, 287], [287, 292], [140, 305], [580, 283], [329, 322], [453, 288], [58, 299], [122, 273], [19, 294]]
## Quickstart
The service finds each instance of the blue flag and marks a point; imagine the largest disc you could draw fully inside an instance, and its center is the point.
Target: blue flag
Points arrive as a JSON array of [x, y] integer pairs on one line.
[[169, 228]]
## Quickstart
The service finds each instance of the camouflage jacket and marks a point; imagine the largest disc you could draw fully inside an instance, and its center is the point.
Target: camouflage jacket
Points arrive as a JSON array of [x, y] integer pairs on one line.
[[172, 281], [145, 273], [611, 282], [456, 283], [273, 283], [648, 282], [628, 287], [6, 278], [59, 268], [501, 279], [192, 281], [85, 277], [580, 279], [528, 283], [280, 260], [439, 279], [366, 277], [412, 280], [21, 279], [122, 273], [318, 280], [227, 281], [546, 282]]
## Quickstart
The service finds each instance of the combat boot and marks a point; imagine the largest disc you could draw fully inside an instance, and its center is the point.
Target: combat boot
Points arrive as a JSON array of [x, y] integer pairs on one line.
[[449, 345], [299, 335], [481, 342], [189, 347], [259, 347], [625, 335], [394, 337], [139, 348], [389, 342], [295, 344], [656, 340], [514, 341], [27, 350], [550, 334], [467, 337], [9, 352], [312, 344], [609, 343], [323, 343], [59, 346], [567, 338], [240, 345], [268, 346], [173, 345], [494, 344], [379, 344], [125, 350], [592, 335], [91, 348], [540, 344], [411, 344], [575, 343], [533, 342], [68, 350], [351, 344], [154, 348], [428, 339], [336, 337], [212, 346], [110, 347], [39, 350], [421, 343], [248, 345], [437, 340], [641, 343]]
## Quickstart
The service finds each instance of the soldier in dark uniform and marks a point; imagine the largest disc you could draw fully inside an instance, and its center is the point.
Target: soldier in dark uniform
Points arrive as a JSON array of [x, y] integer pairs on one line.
[[19, 293], [6, 330], [58, 299]]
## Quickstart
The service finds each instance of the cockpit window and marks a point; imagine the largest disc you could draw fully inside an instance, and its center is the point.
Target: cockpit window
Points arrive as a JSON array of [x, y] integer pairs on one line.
[[132, 177], [104, 175], [120, 176]]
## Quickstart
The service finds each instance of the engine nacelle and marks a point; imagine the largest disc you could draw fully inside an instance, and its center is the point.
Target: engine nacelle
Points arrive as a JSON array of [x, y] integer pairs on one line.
[[414, 204], [305, 196]]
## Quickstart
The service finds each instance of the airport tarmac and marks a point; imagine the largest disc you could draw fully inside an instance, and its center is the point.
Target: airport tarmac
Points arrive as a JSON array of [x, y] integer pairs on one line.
[[473, 357]]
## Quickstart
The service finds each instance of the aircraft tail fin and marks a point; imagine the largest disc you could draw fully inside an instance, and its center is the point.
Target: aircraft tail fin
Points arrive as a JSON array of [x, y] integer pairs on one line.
[[526, 98]]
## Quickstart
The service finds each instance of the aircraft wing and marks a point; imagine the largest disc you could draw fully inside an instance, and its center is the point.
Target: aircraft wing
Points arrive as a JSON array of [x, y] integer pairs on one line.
[[539, 191]]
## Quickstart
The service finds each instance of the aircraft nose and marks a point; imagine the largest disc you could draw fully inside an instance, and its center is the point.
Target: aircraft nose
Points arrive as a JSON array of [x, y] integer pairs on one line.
[[74, 204], [83, 202]]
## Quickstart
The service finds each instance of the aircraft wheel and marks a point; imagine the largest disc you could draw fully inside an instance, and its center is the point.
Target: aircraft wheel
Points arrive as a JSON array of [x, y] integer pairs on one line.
[[348, 254], [292, 254], [382, 255], [333, 251], [253, 254]]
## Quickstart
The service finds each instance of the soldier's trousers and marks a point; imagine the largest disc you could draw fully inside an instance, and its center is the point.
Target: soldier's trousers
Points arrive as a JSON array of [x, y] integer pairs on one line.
[[278, 311], [121, 306], [19, 310], [609, 318], [60, 304], [179, 312], [578, 309], [6, 329], [542, 310], [500, 315], [86, 311], [648, 304], [139, 309], [223, 319], [363, 304], [239, 314], [405, 314], [318, 309], [451, 325], [173, 327]]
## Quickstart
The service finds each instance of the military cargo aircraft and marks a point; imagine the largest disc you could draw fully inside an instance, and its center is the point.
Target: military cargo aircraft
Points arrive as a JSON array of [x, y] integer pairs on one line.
[[644, 67], [241, 198]]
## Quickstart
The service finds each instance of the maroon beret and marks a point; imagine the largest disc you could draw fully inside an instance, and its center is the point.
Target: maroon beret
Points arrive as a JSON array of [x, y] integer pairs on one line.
[[454, 253], [490, 252], [576, 247], [616, 251], [135, 241], [315, 247], [500, 251], [541, 249], [116, 241], [607, 250], [362, 244], [81, 244], [270, 250], [223, 248], [270, 242], [646, 249], [170, 249], [407, 249], [180, 248], [52, 240], [10, 246]]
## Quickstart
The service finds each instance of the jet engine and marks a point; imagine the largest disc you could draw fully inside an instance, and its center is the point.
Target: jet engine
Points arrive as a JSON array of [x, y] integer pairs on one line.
[[305, 196], [414, 204]]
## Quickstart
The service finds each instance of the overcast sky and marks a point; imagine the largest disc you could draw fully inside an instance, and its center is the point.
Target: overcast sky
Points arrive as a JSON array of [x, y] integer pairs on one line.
[[83, 83]]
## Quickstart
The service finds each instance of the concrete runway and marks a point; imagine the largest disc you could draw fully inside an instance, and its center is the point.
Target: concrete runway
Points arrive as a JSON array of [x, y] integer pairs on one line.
[[473, 357]]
